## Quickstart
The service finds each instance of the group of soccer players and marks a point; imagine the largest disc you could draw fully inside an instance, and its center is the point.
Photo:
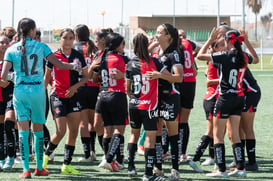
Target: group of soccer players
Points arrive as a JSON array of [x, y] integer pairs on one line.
[[91, 82]]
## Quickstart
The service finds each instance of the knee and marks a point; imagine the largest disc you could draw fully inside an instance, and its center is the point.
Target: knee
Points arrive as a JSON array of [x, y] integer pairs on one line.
[[61, 132]]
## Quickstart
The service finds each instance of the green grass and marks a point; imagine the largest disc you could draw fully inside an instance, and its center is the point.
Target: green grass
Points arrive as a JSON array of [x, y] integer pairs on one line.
[[197, 123]]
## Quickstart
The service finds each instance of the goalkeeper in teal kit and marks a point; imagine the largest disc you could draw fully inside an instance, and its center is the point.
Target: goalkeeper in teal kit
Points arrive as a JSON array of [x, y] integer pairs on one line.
[[26, 58]]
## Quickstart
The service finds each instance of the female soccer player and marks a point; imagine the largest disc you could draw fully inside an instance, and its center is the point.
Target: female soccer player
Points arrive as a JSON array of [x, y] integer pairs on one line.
[[187, 89], [112, 101], [100, 42], [7, 118], [87, 95], [143, 93], [26, 57], [169, 95], [232, 65], [64, 100], [210, 98]]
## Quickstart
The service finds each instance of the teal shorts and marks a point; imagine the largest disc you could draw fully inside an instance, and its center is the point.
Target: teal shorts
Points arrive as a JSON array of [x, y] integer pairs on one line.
[[29, 103]]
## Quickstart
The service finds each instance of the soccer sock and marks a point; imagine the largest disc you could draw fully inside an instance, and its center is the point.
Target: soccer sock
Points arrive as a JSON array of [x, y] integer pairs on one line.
[[239, 155], [46, 136], [211, 148], [165, 140], [24, 148], [92, 140], [132, 148], [174, 140], [250, 149], [39, 148], [201, 147], [105, 143], [86, 146], [9, 128], [68, 153], [17, 140], [51, 147], [184, 134], [158, 152], [220, 156], [100, 138], [141, 139], [114, 144], [2, 147], [120, 151], [149, 161]]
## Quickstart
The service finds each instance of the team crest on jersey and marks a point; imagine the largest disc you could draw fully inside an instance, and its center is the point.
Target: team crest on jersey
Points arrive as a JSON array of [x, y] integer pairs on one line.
[[163, 59], [57, 110]]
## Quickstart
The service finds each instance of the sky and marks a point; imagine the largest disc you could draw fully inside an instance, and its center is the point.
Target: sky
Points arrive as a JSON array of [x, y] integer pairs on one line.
[[63, 13]]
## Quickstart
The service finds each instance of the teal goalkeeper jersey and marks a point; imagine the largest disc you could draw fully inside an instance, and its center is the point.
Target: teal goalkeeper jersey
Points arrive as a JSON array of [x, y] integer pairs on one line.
[[28, 69]]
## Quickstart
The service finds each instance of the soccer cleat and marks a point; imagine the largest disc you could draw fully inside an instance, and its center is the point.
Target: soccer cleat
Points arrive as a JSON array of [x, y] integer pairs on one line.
[[217, 173], [108, 166], [252, 167], [195, 167], [132, 172], [2, 163], [158, 172], [174, 175], [51, 157], [9, 163], [42, 172], [93, 156], [118, 165], [46, 158], [167, 156], [237, 173], [25, 175], [86, 160], [232, 164], [17, 160], [208, 161], [152, 178], [69, 169], [185, 158], [141, 150]]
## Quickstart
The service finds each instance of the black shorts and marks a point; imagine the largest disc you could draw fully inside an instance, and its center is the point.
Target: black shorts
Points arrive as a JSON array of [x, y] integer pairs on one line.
[[6, 105], [169, 106], [187, 94], [113, 108], [88, 97], [251, 101], [61, 107], [149, 119], [227, 105], [208, 106]]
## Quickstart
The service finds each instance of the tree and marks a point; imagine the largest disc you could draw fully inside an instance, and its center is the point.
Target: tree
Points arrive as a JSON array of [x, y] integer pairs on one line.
[[266, 21], [255, 6]]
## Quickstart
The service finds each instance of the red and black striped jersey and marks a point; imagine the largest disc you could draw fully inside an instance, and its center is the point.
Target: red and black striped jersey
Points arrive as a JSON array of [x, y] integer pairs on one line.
[[64, 79], [144, 92], [212, 90], [189, 73], [230, 76], [82, 48], [111, 62]]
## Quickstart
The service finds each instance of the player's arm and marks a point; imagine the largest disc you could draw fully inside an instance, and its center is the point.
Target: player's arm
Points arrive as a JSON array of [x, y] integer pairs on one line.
[[47, 76], [128, 87], [5, 70], [62, 65]]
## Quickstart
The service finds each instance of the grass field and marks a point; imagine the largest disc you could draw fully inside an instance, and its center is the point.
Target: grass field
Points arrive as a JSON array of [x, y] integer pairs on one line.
[[263, 129]]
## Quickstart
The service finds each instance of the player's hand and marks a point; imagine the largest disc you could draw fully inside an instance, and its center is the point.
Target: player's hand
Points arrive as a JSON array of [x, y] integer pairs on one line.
[[4, 83], [71, 91], [117, 74], [214, 34], [244, 33], [153, 74]]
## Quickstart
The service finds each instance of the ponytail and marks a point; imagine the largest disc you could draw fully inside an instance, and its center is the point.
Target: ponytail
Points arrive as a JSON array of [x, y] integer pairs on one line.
[[141, 47], [236, 39], [24, 26], [91, 48]]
